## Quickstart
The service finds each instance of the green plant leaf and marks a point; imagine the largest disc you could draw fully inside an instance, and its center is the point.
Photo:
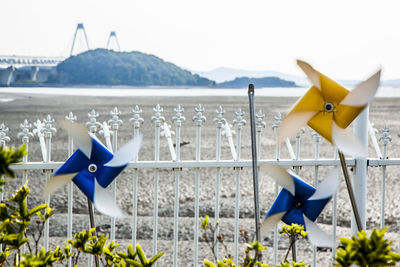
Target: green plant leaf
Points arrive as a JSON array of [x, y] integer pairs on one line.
[[141, 255], [37, 209]]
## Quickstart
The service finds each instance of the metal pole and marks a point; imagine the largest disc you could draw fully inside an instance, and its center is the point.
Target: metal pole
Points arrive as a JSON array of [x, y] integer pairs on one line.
[[350, 190], [254, 158], [293, 243], [92, 225]]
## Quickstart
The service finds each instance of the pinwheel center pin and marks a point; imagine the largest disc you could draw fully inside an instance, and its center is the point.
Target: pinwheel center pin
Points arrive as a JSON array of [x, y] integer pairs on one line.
[[92, 168], [298, 204], [328, 107]]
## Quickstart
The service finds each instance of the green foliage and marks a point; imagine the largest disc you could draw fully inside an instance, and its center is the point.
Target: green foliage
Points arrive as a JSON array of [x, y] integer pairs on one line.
[[364, 251], [8, 156], [292, 264], [106, 67], [224, 263], [293, 231]]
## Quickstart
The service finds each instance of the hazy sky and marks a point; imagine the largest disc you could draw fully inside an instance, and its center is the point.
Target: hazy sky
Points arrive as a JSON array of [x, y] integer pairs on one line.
[[345, 39]]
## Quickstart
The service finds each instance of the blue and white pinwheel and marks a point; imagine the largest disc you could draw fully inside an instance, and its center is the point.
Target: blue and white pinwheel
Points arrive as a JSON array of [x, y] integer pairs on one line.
[[300, 203], [93, 167]]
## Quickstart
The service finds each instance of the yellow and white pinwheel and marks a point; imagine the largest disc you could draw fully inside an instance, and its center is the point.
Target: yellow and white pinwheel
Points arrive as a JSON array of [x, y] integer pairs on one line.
[[329, 108]]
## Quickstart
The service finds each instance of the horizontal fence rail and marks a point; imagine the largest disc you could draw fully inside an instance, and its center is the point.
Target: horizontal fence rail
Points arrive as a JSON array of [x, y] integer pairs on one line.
[[167, 135]]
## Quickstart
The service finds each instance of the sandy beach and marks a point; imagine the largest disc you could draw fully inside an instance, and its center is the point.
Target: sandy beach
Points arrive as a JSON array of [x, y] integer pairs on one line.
[[383, 111]]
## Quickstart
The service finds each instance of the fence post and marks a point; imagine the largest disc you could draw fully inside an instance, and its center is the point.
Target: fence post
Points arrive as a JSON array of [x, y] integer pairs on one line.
[[137, 122], [239, 122], [3, 139], [275, 128], [317, 139], [385, 138], [360, 177], [115, 122], [71, 118], [158, 119], [47, 131], [219, 121], [92, 125], [198, 119], [177, 119], [25, 134], [260, 125]]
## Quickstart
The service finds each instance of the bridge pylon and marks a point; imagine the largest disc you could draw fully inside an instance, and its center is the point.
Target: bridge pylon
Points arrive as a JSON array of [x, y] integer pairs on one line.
[[112, 42], [79, 28]]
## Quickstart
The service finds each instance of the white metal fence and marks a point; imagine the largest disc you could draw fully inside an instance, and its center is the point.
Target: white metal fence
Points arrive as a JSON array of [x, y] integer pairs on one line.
[[45, 130]]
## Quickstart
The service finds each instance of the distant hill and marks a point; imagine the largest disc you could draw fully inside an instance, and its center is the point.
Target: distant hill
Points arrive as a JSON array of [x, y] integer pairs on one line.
[[243, 82], [223, 74], [107, 67]]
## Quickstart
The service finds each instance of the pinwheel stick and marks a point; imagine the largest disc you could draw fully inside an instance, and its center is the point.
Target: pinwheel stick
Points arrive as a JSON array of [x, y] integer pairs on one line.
[[91, 219], [351, 192], [293, 247], [254, 160]]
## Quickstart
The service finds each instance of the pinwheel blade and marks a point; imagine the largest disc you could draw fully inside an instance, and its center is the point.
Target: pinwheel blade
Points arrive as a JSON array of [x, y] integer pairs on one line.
[[104, 202], [311, 73], [364, 92], [280, 175], [293, 123], [56, 182], [316, 236], [269, 222], [328, 187], [347, 142], [80, 135], [126, 153]]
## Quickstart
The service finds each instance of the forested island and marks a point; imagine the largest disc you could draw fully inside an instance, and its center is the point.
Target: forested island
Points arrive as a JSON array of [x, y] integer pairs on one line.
[[110, 68], [243, 82], [102, 67]]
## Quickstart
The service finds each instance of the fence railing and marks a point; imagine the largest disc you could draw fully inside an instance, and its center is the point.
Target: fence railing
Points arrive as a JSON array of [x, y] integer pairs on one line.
[[45, 130]]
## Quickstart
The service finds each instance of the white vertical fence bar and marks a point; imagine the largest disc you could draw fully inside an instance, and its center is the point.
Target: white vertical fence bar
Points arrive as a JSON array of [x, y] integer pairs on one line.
[[219, 119], [25, 134], [334, 214], [275, 128], [38, 131], [3, 139], [239, 122], [158, 119], [71, 117], [297, 156], [198, 119], [137, 121], [47, 131], [385, 138], [360, 177], [260, 125], [317, 139], [177, 119], [92, 125], [115, 122]]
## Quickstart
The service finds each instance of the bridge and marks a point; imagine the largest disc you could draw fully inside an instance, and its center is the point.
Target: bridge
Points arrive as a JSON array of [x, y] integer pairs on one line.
[[26, 68], [16, 68], [26, 61]]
